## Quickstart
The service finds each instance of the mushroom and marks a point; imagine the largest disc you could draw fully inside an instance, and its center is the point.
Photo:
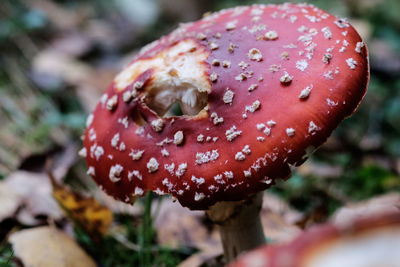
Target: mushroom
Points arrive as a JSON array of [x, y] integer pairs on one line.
[[367, 241], [259, 88]]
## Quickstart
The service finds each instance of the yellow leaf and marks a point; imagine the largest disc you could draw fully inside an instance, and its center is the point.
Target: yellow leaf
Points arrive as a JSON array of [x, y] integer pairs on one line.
[[87, 212]]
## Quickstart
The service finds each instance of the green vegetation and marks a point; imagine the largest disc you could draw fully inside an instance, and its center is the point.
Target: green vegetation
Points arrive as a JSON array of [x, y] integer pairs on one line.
[[6, 255]]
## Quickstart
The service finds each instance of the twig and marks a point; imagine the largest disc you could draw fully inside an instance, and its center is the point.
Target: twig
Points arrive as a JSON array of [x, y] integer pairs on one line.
[[146, 233], [157, 210]]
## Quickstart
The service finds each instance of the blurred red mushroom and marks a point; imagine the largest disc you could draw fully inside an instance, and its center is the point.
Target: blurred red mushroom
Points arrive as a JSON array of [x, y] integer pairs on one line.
[[370, 241], [259, 88]]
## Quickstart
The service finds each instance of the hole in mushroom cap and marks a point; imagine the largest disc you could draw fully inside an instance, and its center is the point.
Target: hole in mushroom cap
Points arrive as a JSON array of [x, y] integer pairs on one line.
[[178, 79], [176, 101], [174, 110]]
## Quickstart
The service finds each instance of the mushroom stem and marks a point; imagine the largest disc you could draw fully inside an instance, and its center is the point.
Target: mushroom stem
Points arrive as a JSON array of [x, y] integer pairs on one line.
[[239, 224]]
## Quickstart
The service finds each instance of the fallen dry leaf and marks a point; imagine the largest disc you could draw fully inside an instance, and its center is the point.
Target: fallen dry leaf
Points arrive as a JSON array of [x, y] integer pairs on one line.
[[278, 219], [177, 226], [74, 44], [47, 247], [372, 207], [9, 202], [32, 192], [276, 229], [320, 170], [90, 83], [35, 195], [53, 62], [371, 142], [62, 162], [385, 57], [277, 205], [86, 211]]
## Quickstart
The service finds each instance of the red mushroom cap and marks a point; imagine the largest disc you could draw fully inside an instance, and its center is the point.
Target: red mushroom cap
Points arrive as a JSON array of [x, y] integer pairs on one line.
[[259, 85], [367, 241]]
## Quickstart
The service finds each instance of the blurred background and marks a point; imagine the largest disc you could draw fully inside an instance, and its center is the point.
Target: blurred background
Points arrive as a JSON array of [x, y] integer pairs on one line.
[[56, 59]]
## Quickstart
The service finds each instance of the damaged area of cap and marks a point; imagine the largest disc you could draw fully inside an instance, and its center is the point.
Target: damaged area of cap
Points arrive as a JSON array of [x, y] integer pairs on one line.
[[177, 75]]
